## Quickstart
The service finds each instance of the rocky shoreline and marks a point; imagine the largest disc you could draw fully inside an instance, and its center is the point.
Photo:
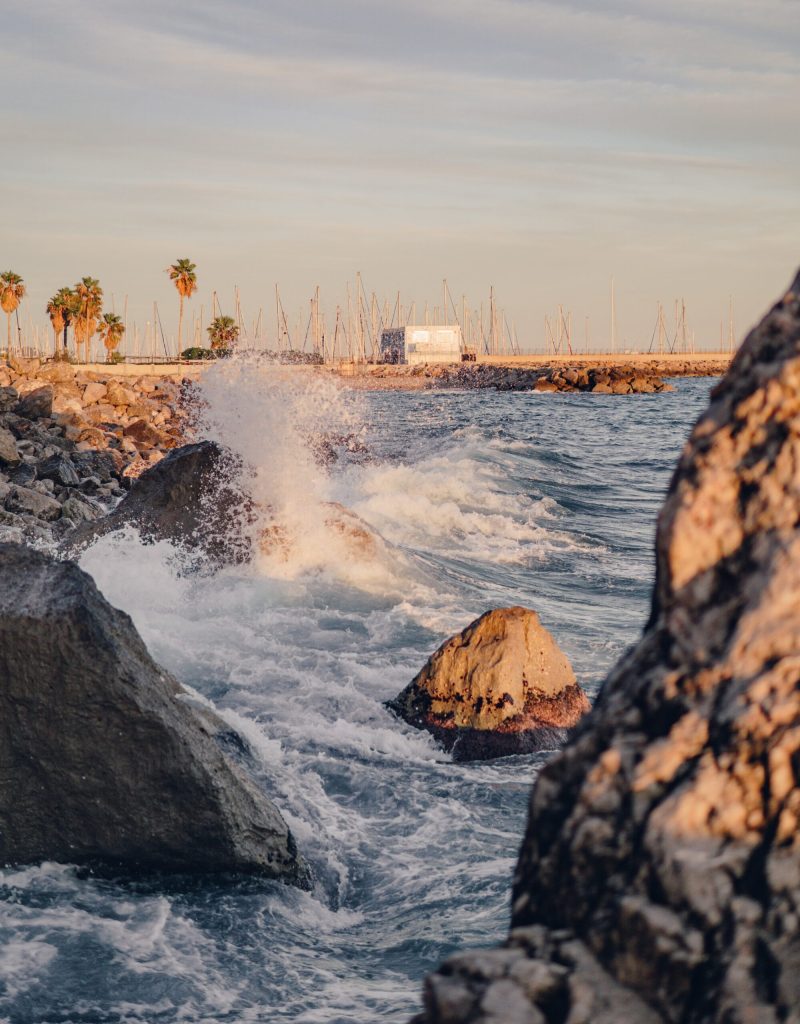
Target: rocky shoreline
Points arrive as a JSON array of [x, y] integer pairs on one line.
[[71, 442], [604, 376]]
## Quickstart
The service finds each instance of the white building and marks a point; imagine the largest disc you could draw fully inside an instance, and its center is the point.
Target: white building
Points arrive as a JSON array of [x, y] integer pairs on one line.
[[422, 344]]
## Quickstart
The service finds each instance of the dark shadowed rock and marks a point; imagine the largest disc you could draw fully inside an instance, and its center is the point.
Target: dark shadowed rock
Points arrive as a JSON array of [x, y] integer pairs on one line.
[[9, 453], [188, 498], [36, 403], [102, 757], [661, 864], [502, 686], [59, 469]]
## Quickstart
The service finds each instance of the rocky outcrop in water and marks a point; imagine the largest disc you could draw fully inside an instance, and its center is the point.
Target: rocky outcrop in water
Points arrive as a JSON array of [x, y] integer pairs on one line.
[[191, 499], [659, 879], [104, 760], [502, 686]]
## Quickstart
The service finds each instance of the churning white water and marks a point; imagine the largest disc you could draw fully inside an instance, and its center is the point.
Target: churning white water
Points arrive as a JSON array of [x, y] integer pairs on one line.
[[468, 501]]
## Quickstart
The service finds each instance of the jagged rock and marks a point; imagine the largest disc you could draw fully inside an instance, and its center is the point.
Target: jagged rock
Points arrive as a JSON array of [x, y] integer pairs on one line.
[[36, 404], [188, 498], [144, 432], [59, 469], [8, 398], [9, 453], [34, 503], [665, 838], [117, 394], [102, 757], [59, 372], [502, 686], [94, 392]]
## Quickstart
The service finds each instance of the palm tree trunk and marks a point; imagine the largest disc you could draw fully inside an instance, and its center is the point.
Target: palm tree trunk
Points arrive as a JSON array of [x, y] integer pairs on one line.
[[8, 344], [66, 326], [180, 324]]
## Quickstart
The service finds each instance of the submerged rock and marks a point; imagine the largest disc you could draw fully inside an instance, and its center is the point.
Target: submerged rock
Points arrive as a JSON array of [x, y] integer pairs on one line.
[[103, 758], [502, 686], [659, 879]]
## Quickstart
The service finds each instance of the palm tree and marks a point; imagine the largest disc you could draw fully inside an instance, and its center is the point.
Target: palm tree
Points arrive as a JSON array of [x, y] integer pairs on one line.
[[89, 309], [12, 291], [182, 272], [223, 333], [111, 331], [61, 309]]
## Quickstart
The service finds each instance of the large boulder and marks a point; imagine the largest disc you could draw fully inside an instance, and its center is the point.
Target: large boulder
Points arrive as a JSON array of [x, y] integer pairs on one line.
[[502, 686], [103, 758], [190, 498], [659, 878]]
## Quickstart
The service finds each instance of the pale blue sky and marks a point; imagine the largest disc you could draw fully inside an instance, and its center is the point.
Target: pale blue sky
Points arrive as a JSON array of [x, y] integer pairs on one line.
[[537, 146]]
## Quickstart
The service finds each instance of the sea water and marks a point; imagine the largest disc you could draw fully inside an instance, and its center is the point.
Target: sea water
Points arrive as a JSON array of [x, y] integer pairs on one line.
[[475, 500]]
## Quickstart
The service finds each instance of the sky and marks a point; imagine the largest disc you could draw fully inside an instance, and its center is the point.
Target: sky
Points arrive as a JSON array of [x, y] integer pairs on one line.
[[537, 147]]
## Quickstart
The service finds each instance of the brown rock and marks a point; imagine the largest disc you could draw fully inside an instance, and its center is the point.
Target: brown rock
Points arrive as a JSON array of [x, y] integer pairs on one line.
[[664, 841], [602, 389], [543, 384], [93, 392], [501, 686], [118, 395], [144, 432]]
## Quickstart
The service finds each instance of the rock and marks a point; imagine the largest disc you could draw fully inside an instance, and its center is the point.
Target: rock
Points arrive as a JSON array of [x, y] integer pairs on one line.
[[36, 404], [8, 398], [643, 386], [94, 392], [9, 454], [76, 508], [142, 431], [24, 474], [67, 404], [103, 759], [59, 469], [104, 465], [189, 498], [664, 840], [59, 372], [118, 395], [543, 384], [502, 686], [26, 500], [24, 367], [602, 388]]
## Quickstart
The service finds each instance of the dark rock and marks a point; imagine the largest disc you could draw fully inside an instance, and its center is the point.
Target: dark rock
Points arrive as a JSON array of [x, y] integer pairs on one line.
[[502, 686], [59, 469], [36, 404], [8, 399], [105, 465], [189, 498], [24, 474], [661, 862], [26, 500], [102, 757]]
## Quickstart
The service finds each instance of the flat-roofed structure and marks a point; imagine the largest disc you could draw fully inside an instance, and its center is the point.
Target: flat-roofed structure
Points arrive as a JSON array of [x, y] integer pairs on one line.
[[422, 344]]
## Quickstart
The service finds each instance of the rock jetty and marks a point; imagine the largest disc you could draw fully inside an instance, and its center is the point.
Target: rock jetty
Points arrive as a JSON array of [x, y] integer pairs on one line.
[[71, 441], [502, 686], [659, 878], [104, 759]]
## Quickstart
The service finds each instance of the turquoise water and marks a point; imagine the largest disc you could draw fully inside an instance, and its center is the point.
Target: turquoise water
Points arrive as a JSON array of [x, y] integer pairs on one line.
[[479, 499]]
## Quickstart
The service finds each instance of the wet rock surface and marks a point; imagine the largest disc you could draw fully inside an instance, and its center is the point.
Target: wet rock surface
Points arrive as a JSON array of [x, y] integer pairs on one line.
[[502, 686], [189, 498], [659, 878], [104, 760]]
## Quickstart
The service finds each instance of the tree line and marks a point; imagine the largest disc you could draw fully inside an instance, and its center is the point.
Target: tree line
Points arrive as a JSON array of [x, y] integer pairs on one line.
[[81, 308]]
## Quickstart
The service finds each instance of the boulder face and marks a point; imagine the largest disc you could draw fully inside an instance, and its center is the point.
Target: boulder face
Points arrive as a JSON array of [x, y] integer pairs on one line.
[[104, 760], [187, 498], [659, 878], [502, 686]]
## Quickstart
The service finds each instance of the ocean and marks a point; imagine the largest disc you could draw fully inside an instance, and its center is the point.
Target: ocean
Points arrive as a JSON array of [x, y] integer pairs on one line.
[[474, 500]]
